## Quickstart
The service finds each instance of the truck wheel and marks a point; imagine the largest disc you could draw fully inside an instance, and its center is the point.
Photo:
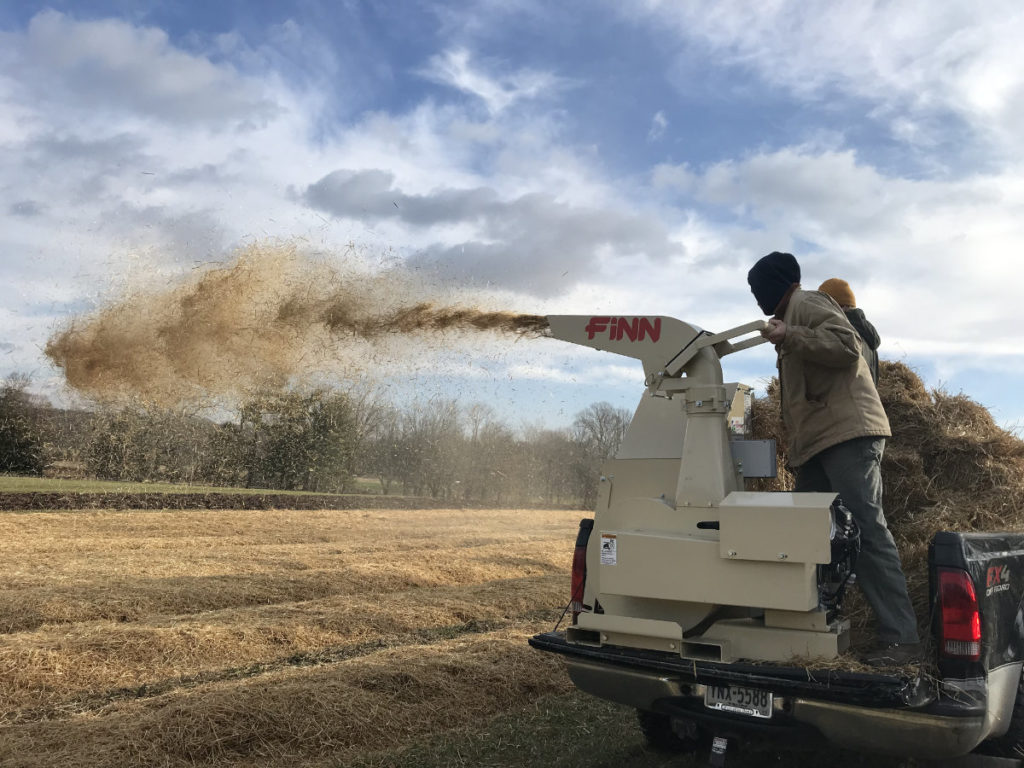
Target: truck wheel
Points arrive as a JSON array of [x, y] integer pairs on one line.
[[660, 735], [1011, 743]]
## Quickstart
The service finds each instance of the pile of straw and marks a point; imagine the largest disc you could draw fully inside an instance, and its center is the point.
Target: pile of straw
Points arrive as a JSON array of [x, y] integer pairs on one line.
[[948, 466]]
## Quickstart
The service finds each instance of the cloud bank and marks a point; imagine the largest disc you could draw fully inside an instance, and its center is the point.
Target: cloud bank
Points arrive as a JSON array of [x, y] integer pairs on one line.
[[879, 142]]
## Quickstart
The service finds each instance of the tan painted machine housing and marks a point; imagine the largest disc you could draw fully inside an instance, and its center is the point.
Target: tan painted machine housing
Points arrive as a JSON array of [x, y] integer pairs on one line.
[[681, 558]]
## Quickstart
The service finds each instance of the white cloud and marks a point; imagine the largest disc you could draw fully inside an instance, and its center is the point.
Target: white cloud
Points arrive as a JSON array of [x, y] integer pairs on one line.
[[498, 92], [911, 57], [542, 373], [667, 176], [110, 65], [928, 259], [586, 372], [822, 190], [513, 241], [658, 125], [626, 374], [965, 350]]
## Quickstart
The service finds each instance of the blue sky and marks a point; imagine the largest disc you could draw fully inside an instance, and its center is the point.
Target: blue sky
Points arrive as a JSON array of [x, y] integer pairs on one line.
[[573, 157]]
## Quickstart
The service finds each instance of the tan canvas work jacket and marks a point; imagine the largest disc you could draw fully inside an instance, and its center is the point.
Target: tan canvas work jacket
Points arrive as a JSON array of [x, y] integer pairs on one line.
[[827, 393]]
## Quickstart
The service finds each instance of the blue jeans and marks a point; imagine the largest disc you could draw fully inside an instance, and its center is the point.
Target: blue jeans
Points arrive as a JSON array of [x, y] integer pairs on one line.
[[853, 470]]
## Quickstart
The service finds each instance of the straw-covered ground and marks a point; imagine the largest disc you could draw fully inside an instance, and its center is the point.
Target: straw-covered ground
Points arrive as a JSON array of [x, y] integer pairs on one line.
[[269, 638], [293, 639], [948, 466]]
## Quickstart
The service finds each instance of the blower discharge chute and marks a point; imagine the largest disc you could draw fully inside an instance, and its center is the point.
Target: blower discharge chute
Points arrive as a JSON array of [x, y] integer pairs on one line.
[[679, 557]]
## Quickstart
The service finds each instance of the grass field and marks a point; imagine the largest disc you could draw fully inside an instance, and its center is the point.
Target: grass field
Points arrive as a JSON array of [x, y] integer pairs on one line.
[[279, 638], [25, 484], [268, 638]]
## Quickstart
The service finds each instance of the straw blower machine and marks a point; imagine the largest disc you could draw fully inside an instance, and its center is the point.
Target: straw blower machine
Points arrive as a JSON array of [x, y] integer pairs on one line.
[[679, 557]]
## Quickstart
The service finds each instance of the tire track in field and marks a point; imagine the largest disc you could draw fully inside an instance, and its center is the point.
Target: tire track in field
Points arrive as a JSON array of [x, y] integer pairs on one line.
[[47, 669], [129, 597], [316, 715], [92, 703]]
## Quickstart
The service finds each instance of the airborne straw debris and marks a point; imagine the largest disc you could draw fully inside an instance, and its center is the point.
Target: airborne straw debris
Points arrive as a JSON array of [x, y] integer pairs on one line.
[[266, 319]]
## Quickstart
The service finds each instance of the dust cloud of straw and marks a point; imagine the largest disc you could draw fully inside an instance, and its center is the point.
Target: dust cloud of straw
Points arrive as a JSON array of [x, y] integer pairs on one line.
[[269, 317]]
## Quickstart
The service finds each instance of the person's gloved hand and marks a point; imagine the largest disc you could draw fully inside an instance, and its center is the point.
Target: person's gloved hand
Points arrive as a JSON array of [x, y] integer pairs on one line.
[[775, 332]]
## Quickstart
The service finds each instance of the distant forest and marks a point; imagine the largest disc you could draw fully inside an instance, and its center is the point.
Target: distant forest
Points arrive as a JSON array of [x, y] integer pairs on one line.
[[319, 440]]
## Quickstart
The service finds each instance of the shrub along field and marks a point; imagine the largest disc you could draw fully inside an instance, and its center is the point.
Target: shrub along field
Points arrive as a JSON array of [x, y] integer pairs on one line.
[[34, 484]]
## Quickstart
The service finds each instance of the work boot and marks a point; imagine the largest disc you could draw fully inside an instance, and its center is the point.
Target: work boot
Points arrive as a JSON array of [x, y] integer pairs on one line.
[[894, 655]]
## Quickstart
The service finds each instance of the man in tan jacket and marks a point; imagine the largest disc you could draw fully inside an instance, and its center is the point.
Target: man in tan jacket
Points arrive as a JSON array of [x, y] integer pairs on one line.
[[835, 433]]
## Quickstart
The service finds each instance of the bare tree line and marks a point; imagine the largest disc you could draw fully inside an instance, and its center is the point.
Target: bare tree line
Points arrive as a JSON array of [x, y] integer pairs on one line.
[[320, 440]]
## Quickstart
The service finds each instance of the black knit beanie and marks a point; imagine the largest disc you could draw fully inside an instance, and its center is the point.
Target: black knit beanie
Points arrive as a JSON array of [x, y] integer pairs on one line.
[[771, 277]]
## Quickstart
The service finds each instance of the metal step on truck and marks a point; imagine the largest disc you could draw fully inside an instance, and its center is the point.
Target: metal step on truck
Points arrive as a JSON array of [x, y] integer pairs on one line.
[[716, 611]]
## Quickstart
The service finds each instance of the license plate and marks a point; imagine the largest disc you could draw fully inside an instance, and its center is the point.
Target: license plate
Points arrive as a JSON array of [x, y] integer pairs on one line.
[[742, 701]]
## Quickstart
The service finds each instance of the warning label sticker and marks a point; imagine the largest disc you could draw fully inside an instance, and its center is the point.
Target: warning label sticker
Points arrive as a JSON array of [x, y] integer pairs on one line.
[[608, 551]]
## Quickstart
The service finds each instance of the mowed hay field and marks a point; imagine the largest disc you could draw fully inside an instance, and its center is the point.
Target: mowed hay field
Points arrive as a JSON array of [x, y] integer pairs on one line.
[[370, 639], [269, 638]]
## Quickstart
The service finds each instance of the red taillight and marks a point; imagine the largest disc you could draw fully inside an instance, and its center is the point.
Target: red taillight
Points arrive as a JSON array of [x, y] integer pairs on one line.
[[961, 621], [579, 580], [579, 567]]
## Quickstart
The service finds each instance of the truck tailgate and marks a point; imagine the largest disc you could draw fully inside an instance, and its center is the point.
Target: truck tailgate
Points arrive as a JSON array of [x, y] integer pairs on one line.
[[868, 690]]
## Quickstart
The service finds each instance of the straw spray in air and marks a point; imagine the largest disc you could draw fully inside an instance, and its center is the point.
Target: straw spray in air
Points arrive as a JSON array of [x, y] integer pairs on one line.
[[267, 318]]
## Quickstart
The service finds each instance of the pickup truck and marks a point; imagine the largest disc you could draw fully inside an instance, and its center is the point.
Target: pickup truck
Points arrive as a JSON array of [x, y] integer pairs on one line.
[[716, 611], [970, 699]]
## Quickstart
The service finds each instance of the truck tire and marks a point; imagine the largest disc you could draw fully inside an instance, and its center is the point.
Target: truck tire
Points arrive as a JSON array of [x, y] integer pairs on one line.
[[1011, 743], [660, 735]]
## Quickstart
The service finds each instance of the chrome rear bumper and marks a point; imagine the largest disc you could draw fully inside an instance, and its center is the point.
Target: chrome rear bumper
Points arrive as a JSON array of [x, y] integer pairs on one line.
[[943, 731]]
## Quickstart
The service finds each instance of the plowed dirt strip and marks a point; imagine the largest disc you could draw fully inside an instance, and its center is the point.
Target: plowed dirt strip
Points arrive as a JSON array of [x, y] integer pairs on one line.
[[54, 672], [219, 500], [319, 714], [120, 566]]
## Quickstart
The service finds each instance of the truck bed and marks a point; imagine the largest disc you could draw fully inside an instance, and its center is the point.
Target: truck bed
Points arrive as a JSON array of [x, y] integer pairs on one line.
[[864, 689]]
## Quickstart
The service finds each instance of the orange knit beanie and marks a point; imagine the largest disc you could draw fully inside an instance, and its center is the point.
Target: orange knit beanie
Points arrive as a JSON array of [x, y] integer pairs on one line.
[[839, 290]]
